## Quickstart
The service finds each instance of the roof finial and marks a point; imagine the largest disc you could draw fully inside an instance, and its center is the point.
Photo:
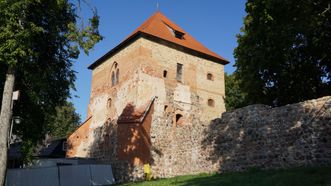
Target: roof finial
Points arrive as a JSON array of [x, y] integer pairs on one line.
[[157, 6]]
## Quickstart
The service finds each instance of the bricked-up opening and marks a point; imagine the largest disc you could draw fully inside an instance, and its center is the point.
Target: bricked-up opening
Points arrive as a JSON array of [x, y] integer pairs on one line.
[[210, 76], [179, 74], [179, 119], [165, 73], [211, 103]]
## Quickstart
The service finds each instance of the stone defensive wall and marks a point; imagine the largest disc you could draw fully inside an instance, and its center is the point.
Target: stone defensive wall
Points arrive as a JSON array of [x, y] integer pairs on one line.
[[259, 136]]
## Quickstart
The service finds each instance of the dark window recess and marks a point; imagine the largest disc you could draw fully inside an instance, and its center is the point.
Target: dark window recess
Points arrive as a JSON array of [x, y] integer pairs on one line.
[[165, 107], [117, 76], [179, 35], [113, 79], [211, 103], [165, 73], [109, 102], [210, 77], [179, 119], [176, 33], [179, 74]]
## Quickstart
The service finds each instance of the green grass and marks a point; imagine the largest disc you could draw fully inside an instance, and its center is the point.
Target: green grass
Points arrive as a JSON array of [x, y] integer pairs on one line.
[[292, 177]]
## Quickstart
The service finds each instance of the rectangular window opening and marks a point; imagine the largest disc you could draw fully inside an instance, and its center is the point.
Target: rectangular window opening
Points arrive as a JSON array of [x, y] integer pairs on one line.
[[165, 73], [179, 35], [175, 33], [179, 75]]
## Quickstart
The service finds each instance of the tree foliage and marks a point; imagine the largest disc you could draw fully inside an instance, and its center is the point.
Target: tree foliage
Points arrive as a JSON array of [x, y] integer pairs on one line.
[[40, 39], [64, 121], [283, 54], [235, 98]]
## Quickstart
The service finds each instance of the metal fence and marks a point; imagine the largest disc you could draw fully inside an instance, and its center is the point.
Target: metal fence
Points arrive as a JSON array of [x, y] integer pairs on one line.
[[71, 175]]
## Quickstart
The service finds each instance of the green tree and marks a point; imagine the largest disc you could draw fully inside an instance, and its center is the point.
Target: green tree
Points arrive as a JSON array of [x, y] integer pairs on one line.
[[283, 54], [64, 121], [235, 98], [38, 40]]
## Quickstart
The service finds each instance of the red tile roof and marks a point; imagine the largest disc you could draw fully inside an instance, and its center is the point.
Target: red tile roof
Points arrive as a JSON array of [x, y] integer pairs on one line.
[[160, 27]]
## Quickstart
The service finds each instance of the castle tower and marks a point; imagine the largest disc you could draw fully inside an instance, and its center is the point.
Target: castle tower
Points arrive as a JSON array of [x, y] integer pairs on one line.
[[151, 98]]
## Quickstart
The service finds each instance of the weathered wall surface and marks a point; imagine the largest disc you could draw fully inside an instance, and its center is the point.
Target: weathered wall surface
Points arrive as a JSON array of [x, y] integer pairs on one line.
[[141, 66], [254, 136], [77, 140], [90, 140], [133, 135], [176, 149], [264, 137], [195, 70]]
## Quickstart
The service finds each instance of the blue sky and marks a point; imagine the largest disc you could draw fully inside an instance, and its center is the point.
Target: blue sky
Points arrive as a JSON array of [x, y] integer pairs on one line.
[[214, 23]]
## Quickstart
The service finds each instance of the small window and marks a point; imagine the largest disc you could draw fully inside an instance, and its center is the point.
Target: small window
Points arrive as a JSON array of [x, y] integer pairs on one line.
[[210, 77], [211, 103], [179, 119], [179, 72], [165, 107], [117, 75], [179, 35], [113, 79], [165, 73], [109, 101], [176, 33]]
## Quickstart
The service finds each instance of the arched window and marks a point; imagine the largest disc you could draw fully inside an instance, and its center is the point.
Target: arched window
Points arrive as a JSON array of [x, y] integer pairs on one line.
[[211, 103], [165, 107], [117, 76], [109, 103], [179, 119], [210, 76], [113, 79]]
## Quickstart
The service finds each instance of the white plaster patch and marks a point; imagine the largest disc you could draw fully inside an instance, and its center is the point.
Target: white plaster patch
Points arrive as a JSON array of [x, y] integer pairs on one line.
[[149, 87], [182, 95], [99, 110], [127, 93]]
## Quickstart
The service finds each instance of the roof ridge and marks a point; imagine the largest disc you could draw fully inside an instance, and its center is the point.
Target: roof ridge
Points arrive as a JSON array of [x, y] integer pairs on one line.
[[156, 26]]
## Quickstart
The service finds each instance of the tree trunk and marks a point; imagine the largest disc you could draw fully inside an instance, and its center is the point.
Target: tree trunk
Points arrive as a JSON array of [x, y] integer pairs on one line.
[[5, 120]]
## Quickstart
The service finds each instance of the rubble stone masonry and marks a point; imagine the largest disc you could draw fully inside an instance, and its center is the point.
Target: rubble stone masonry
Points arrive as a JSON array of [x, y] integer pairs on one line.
[[263, 137]]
